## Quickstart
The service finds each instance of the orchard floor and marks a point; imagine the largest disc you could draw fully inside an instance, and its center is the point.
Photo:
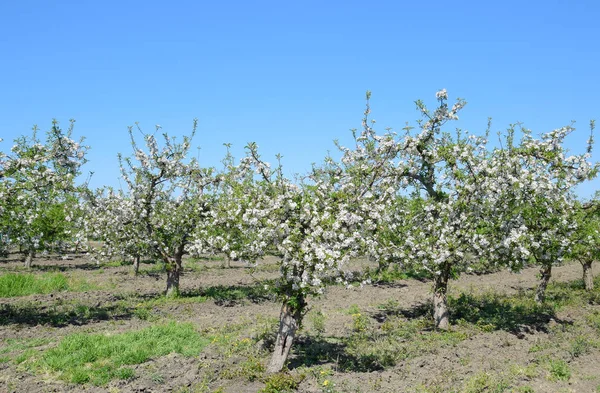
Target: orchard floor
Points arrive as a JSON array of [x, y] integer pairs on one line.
[[341, 347]]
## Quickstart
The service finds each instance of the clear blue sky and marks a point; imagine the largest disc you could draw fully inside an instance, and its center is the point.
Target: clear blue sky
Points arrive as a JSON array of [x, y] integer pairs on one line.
[[291, 75]]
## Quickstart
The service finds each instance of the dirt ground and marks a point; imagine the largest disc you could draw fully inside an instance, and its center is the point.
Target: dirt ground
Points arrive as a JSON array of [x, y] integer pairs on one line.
[[111, 308]]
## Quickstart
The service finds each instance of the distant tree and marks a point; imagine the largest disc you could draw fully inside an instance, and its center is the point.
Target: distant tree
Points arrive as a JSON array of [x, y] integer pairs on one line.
[[118, 221], [585, 242], [40, 197], [534, 201]]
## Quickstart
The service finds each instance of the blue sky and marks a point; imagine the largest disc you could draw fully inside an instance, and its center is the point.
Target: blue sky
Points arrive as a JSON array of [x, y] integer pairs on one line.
[[291, 75]]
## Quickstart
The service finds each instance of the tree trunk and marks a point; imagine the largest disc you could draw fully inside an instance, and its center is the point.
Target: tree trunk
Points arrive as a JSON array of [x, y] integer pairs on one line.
[[540, 293], [173, 266], [226, 262], [136, 264], [441, 315], [588, 276], [29, 258], [289, 323]]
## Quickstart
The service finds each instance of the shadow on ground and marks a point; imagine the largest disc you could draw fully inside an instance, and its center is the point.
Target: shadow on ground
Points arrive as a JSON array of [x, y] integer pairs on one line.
[[60, 315], [313, 351]]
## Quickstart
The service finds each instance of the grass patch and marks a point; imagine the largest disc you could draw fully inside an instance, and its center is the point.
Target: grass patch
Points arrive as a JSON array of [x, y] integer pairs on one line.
[[593, 320], [14, 348], [20, 344], [100, 358], [23, 284], [116, 263]]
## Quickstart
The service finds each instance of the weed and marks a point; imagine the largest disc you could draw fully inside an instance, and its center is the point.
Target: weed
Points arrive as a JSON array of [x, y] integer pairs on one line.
[[251, 369], [559, 370], [360, 323], [281, 383], [485, 382], [390, 307], [530, 371], [317, 318], [593, 320], [157, 378], [353, 309], [579, 346]]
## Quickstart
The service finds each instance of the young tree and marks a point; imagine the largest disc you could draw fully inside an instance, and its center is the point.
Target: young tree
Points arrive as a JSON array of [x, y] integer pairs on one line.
[[533, 199], [118, 222], [172, 196], [39, 191], [437, 220], [315, 225], [238, 226], [585, 246]]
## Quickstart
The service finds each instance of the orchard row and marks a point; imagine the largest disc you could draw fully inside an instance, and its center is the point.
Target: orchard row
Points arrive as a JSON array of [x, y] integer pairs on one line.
[[425, 199]]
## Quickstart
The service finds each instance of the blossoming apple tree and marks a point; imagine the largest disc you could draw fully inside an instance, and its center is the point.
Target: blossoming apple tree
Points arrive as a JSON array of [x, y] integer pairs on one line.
[[436, 223], [118, 221], [456, 201], [315, 225], [39, 194], [585, 246], [531, 191], [171, 197]]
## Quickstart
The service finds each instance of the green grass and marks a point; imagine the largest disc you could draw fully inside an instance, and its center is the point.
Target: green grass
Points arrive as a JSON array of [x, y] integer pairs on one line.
[[15, 344], [117, 263], [100, 358], [23, 284], [12, 348]]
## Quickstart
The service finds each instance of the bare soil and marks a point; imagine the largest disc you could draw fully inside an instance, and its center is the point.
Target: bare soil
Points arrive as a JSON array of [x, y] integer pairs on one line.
[[113, 307]]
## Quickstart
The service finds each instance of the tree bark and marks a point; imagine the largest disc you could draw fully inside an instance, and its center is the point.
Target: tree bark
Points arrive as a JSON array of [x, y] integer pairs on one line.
[[289, 323], [441, 315], [588, 276], [136, 265], [540, 293], [227, 262], [29, 258], [174, 268]]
